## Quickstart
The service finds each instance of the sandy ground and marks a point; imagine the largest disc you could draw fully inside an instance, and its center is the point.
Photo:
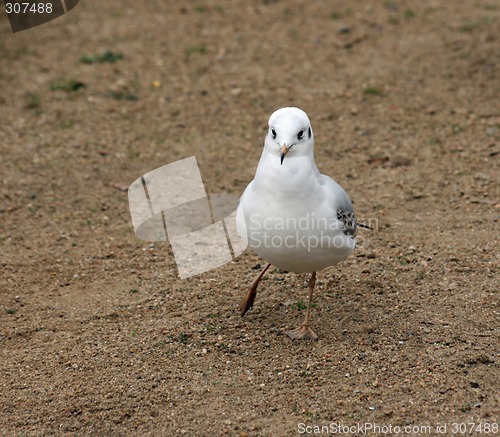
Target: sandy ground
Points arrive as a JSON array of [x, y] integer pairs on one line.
[[100, 336]]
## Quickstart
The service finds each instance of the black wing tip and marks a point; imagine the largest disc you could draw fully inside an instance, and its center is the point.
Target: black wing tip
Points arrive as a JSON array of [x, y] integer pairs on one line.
[[362, 225]]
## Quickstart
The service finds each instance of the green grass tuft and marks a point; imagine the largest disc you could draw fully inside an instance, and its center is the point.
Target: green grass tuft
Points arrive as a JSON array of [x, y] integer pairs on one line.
[[300, 305], [66, 85], [107, 56], [468, 27], [372, 91], [191, 50], [410, 13]]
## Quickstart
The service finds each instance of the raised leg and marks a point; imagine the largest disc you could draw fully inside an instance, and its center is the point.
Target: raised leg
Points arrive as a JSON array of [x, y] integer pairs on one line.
[[304, 331], [249, 299]]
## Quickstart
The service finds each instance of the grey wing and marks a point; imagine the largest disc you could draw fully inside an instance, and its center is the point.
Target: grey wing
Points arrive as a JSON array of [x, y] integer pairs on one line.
[[346, 216], [345, 210]]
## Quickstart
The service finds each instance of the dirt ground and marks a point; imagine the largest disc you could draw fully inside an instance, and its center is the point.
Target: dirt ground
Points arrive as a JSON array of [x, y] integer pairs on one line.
[[100, 336]]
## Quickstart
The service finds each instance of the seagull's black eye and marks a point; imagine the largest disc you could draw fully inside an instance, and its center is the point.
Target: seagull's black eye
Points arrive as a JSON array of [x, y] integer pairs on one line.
[[273, 133], [300, 135]]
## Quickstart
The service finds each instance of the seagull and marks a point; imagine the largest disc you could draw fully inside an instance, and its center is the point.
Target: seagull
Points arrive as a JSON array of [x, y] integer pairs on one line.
[[291, 215]]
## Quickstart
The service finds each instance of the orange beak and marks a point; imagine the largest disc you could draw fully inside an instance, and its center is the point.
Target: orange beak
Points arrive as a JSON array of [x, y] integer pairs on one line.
[[284, 151]]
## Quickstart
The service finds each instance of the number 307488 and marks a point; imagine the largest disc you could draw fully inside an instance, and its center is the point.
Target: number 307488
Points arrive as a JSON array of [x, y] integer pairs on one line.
[[25, 8]]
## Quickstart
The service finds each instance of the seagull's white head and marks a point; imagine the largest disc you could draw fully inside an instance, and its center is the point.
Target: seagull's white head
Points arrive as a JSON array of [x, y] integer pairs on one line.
[[290, 132]]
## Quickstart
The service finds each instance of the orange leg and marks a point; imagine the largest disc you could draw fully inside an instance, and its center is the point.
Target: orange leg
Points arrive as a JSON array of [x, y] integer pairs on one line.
[[249, 299], [304, 331]]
